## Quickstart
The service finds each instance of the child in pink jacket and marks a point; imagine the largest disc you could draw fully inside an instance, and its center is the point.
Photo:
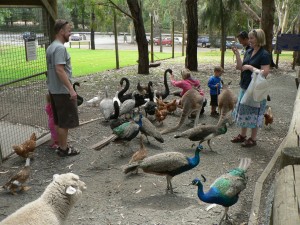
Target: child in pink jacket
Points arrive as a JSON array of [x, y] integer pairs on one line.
[[186, 84], [51, 125]]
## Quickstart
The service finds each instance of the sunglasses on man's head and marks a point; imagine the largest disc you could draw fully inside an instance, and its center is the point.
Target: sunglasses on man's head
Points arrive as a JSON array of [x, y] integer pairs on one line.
[[62, 25]]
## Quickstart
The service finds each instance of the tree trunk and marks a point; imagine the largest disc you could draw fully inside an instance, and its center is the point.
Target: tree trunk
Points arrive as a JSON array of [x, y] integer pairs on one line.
[[136, 13], [297, 54], [267, 23], [92, 30], [191, 61], [223, 37]]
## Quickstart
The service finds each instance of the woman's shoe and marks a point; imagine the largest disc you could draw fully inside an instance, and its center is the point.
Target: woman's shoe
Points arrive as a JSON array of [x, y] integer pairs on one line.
[[238, 139], [249, 143]]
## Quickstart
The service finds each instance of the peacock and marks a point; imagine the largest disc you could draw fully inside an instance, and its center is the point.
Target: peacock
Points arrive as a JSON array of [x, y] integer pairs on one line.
[[122, 129], [165, 94], [226, 189], [203, 133], [167, 164], [148, 129], [79, 98]]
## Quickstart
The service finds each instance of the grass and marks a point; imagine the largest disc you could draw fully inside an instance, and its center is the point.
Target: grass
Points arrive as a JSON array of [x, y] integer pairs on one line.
[[13, 64]]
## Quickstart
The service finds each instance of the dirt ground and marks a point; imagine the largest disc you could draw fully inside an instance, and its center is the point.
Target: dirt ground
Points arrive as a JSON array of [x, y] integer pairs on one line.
[[114, 198]]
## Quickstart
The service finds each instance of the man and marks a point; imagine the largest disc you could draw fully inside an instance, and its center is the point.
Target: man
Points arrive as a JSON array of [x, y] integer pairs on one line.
[[244, 39], [62, 93]]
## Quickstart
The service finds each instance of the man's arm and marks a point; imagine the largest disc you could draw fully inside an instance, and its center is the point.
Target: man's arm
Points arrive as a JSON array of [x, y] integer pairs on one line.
[[61, 73]]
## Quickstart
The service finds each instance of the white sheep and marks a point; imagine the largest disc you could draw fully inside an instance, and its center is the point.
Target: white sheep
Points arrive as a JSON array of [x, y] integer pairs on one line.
[[53, 206]]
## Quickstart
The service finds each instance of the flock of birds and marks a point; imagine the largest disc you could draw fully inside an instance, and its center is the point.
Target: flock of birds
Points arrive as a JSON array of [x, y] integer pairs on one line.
[[124, 114]]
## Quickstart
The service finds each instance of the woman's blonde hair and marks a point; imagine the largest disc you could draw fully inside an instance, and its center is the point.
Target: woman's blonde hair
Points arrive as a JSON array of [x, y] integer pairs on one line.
[[185, 73], [260, 36]]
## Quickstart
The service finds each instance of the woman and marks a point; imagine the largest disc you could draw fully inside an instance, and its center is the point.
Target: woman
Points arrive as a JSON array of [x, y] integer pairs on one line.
[[246, 116]]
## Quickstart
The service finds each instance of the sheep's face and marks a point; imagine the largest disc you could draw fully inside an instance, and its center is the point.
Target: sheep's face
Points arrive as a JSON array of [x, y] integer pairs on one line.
[[73, 187]]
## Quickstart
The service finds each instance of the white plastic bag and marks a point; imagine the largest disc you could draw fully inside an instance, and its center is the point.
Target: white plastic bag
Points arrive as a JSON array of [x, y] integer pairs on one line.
[[248, 99], [261, 88]]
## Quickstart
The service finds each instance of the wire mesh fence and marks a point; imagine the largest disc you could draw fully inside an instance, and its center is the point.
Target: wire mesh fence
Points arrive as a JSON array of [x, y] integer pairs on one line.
[[23, 39]]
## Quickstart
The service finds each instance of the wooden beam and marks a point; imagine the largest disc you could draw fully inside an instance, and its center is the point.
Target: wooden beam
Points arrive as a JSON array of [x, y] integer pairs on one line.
[[49, 8]]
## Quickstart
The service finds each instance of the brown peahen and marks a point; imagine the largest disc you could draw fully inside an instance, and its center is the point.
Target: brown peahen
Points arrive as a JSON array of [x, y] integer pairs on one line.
[[167, 164], [203, 133], [226, 189], [148, 129]]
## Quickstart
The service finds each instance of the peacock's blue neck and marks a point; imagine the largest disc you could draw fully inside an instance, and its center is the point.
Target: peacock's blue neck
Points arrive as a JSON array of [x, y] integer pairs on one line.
[[195, 160]]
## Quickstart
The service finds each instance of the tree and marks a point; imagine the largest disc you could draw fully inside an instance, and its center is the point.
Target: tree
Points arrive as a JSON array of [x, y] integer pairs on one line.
[[191, 61], [267, 22], [136, 13]]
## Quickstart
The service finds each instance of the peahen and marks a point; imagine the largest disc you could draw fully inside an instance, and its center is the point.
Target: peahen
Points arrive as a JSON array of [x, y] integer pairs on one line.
[[167, 164], [203, 133], [226, 189], [148, 129], [79, 98]]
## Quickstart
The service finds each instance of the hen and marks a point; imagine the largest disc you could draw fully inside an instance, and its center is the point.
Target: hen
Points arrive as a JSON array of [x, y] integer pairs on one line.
[[139, 154], [16, 182], [160, 115], [26, 149], [172, 106], [268, 117]]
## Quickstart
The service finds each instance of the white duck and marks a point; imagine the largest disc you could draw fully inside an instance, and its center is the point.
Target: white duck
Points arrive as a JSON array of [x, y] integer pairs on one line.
[[94, 101], [106, 105]]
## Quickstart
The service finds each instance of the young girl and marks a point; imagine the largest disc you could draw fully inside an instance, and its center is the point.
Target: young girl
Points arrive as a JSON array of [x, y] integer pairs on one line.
[[186, 84], [51, 125]]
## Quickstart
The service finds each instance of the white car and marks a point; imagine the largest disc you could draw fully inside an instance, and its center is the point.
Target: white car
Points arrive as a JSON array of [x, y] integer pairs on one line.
[[76, 37], [178, 40]]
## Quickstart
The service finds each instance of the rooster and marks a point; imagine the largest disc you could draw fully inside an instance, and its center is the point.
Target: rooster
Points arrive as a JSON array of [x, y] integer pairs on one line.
[[268, 116], [26, 149]]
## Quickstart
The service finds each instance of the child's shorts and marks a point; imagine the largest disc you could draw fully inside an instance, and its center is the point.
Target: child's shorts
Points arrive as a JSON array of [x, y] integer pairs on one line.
[[214, 100]]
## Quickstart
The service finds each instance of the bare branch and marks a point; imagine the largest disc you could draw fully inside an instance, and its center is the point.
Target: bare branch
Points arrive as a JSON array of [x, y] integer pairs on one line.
[[250, 12], [121, 10]]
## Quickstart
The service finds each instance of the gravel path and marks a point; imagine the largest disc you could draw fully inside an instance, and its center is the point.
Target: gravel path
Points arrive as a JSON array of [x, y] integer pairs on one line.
[[115, 198]]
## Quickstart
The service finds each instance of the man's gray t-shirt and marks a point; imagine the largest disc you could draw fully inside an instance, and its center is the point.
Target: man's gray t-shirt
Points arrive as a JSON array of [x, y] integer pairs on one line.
[[57, 54]]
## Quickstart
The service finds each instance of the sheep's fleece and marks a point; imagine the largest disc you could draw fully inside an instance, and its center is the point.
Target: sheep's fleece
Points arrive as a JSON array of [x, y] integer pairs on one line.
[[54, 205]]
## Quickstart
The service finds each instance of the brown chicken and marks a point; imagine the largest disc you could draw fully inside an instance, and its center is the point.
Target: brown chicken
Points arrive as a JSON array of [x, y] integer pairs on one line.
[[16, 182], [172, 106], [161, 105], [160, 115], [139, 154], [26, 149], [268, 116]]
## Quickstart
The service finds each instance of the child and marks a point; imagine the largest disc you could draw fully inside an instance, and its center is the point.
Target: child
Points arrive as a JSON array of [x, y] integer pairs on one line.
[[51, 125], [215, 86], [186, 84]]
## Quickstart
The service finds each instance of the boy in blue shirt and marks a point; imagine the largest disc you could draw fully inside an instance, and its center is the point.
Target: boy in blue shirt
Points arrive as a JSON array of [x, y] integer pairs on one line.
[[215, 86]]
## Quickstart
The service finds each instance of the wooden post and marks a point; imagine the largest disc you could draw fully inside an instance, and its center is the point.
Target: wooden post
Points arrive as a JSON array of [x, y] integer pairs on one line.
[[290, 156], [151, 38], [183, 37], [116, 41], [173, 39], [286, 196]]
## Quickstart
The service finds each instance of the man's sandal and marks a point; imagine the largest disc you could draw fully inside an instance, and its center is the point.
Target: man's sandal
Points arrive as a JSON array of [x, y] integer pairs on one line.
[[70, 151], [249, 143], [238, 139]]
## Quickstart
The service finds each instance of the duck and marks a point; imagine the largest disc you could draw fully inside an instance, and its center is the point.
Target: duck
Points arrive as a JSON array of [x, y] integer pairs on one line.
[[16, 182], [225, 190], [166, 92], [203, 133], [79, 98], [148, 129], [106, 105], [94, 101], [169, 164]]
